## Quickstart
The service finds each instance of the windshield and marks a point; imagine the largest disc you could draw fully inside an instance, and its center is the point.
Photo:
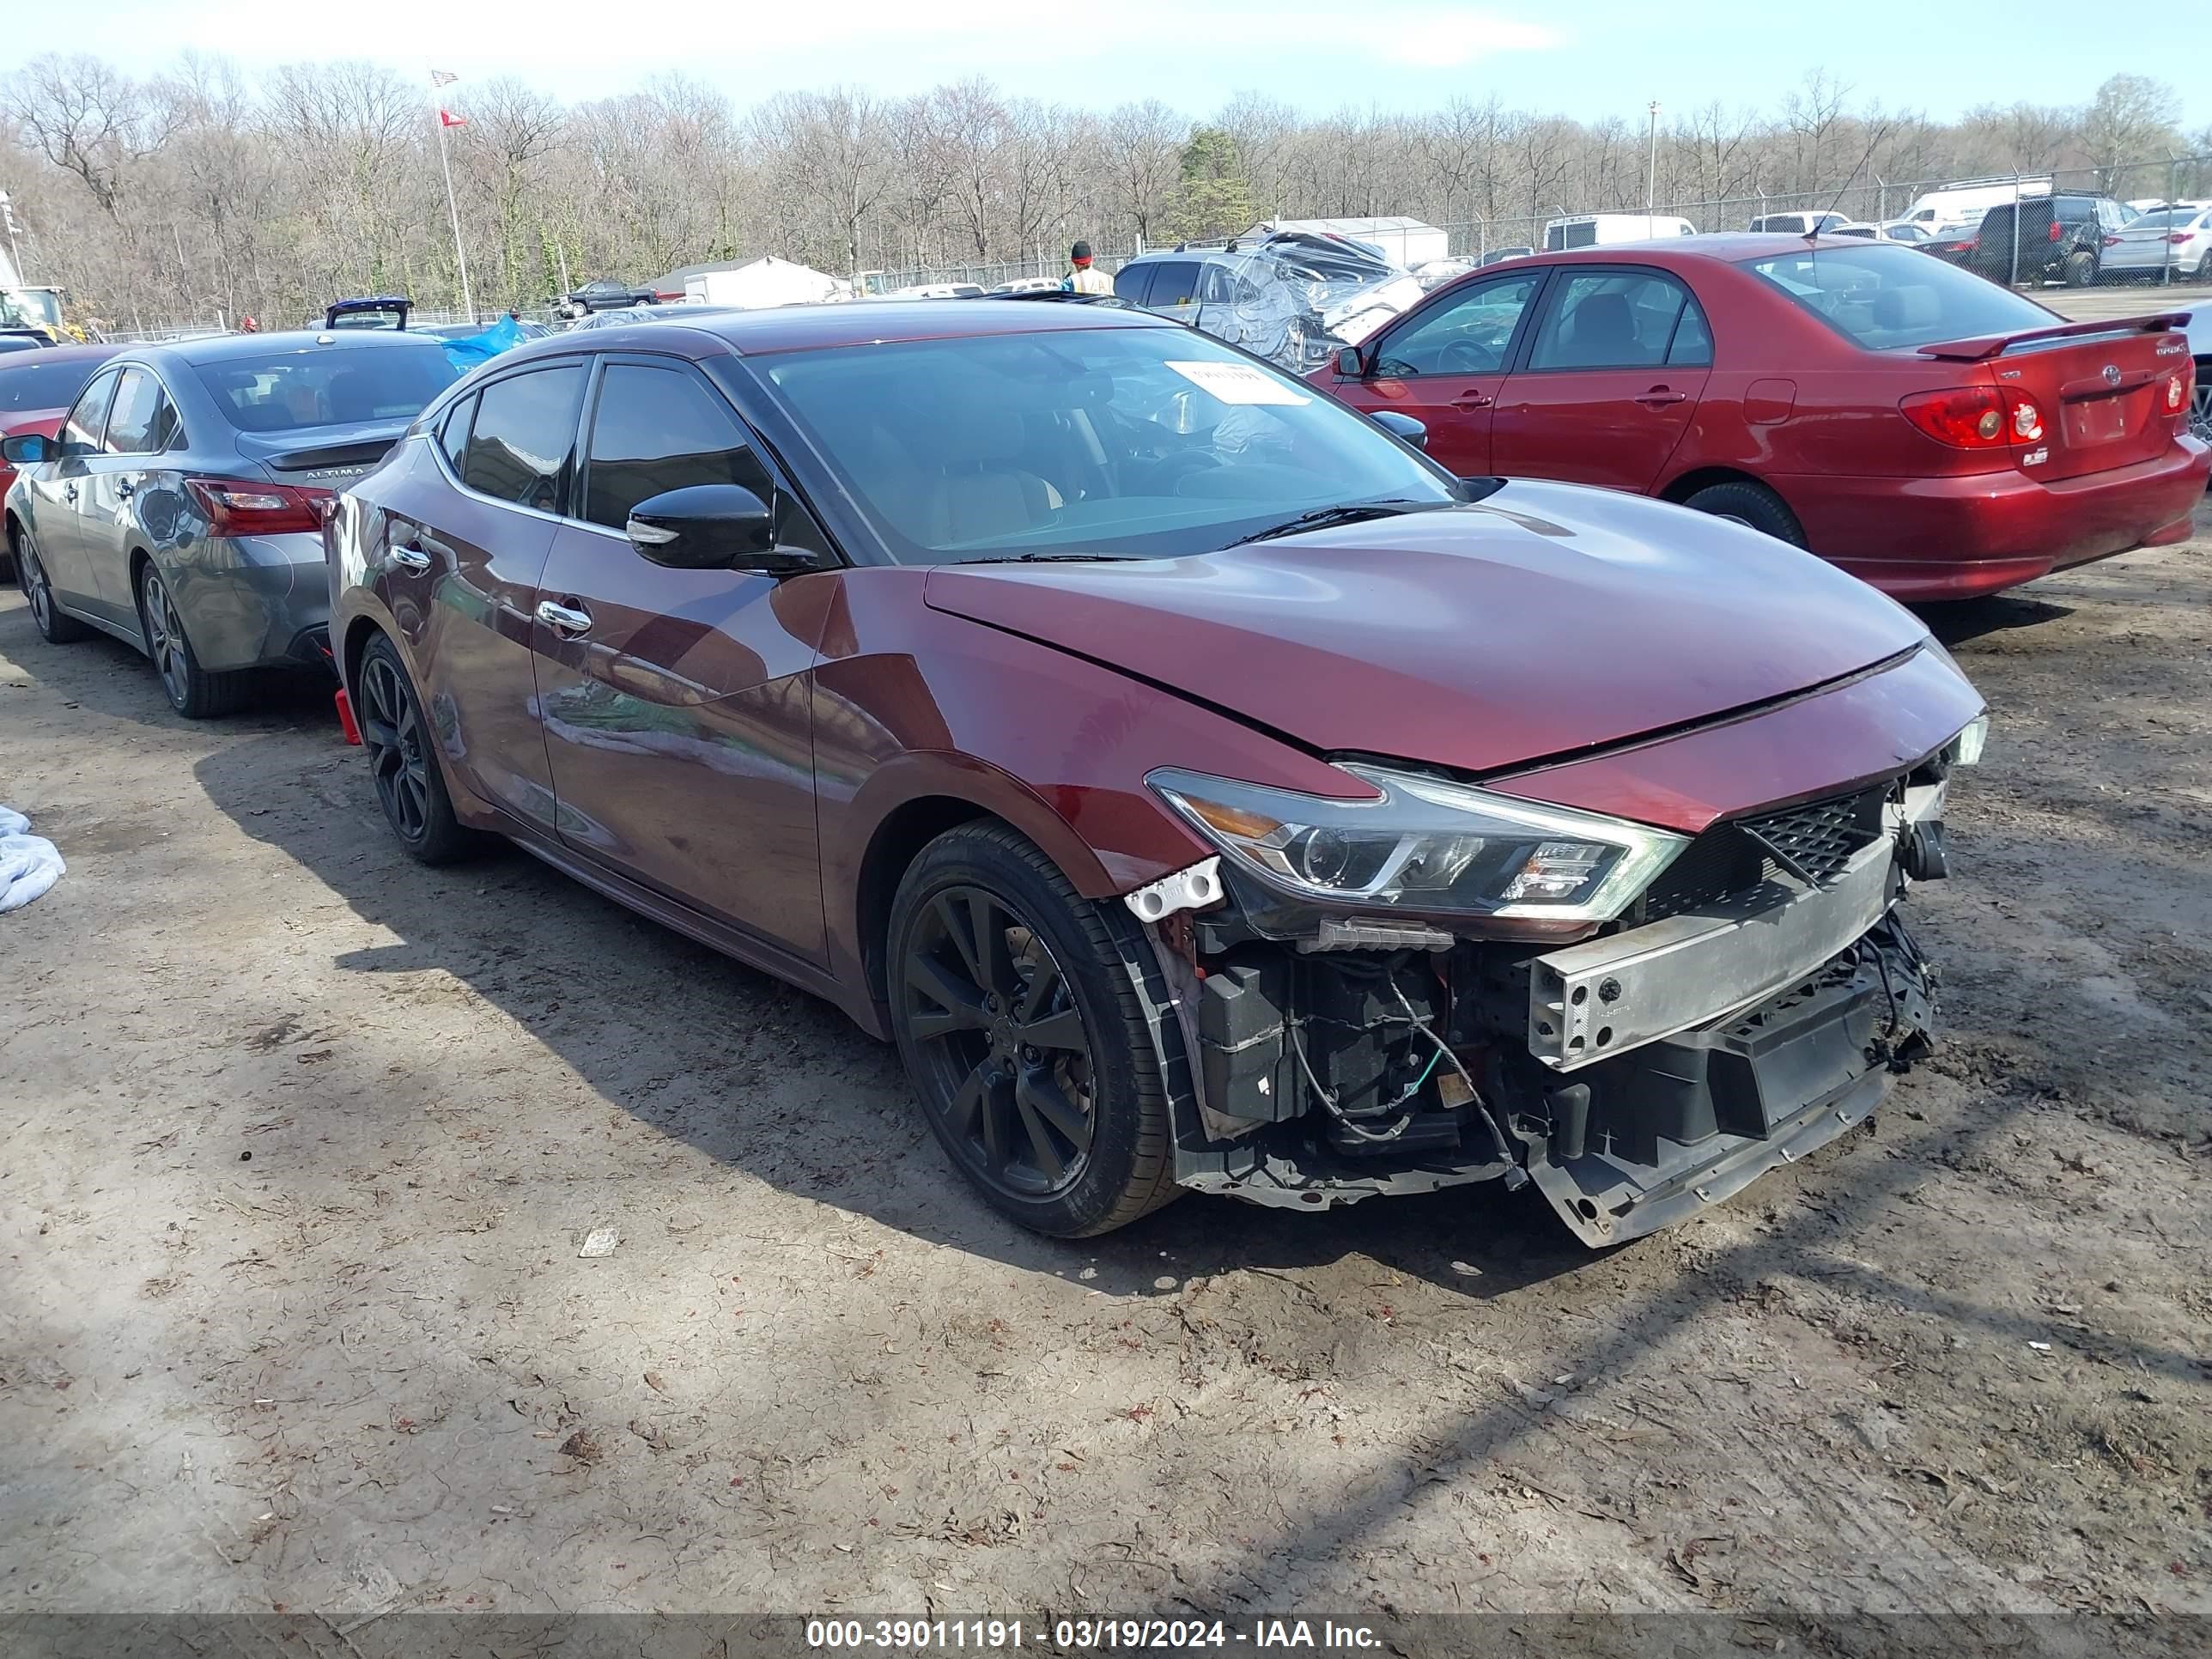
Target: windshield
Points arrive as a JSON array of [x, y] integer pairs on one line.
[[31, 308], [1889, 299], [1152, 442], [291, 390], [42, 385]]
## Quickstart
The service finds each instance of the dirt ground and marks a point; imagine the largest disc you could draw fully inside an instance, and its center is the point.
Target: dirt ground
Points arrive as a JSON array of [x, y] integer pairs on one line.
[[301, 1141]]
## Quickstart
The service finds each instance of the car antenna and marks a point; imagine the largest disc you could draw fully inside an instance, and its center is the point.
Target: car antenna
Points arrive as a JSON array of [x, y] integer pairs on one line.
[[1880, 133]]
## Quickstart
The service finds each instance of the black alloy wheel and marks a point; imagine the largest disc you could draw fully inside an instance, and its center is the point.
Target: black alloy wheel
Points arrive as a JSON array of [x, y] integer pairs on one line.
[[409, 785], [1014, 1002], [991, 1009]]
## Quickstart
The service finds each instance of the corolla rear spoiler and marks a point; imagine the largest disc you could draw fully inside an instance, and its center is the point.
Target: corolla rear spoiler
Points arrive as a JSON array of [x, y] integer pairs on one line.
[[1984, 347], [303, 451]]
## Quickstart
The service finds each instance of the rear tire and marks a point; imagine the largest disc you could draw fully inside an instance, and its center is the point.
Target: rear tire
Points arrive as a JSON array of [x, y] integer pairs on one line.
[[1023, 1035], [46, 617], [410, 785], [2079, 269], [1752, 504], [192, 690]]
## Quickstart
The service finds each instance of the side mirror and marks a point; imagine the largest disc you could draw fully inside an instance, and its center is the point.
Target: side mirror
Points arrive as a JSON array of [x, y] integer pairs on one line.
[[712, 527], [28, 450], [1402, 427], [1350, 364]]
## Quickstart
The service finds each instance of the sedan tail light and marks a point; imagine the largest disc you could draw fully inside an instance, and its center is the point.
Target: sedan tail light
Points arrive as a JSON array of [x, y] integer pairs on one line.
[[2180, 236], [2178, 386], [2111, 241], [246, 506], [1974, 417]]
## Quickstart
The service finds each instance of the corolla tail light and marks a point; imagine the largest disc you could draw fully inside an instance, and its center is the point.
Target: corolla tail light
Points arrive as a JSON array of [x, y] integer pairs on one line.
[[1974, 417], [2178, 386]]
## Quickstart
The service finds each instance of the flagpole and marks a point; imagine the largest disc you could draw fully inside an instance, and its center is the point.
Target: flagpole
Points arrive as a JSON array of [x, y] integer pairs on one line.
[[460, 254]]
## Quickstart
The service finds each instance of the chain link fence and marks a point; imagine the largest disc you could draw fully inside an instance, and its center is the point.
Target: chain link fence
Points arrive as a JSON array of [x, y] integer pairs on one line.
[[2071, 227]]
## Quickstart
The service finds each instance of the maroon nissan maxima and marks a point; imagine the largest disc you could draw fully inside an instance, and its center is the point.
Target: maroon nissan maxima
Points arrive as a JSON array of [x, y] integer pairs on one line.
[[1202, 788]]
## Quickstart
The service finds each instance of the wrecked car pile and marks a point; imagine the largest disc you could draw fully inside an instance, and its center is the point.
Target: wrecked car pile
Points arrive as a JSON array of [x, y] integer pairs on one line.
[[1294, 296]]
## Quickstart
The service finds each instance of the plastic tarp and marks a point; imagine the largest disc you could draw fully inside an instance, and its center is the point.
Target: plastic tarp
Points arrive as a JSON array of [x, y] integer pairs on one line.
[[29, 864], [465, 353], [1294, 298]]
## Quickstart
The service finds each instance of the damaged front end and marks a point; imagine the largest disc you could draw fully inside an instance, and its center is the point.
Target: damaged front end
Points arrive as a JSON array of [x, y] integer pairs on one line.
[[1641, 1022]]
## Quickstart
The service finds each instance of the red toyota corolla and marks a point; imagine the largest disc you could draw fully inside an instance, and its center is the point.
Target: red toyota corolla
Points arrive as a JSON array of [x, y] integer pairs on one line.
[[1201, 787], [1936, 433]]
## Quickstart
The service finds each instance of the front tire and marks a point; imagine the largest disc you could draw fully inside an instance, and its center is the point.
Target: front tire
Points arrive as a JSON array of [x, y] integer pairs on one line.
[[46, 617], [1744, 503], [192, 691], [1021, 1034], [409, 784]]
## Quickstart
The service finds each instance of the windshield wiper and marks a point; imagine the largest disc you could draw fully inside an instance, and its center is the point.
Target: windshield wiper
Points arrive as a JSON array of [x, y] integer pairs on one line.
[[1050, 558], [1323, 517]]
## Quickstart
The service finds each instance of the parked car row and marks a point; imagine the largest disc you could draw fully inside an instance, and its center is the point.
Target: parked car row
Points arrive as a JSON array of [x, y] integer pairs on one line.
[[1209, 778]]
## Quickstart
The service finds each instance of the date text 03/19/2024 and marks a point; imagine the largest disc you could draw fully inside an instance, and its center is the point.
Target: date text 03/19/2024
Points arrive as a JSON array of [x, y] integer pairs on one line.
[[1080, 1635]]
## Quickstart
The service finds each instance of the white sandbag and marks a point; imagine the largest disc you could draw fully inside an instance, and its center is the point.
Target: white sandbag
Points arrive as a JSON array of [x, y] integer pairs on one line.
[[28, 864]]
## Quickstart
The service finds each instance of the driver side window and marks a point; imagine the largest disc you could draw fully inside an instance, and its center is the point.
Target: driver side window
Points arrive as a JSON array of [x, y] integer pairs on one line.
[[81, 432], [1471, 335]]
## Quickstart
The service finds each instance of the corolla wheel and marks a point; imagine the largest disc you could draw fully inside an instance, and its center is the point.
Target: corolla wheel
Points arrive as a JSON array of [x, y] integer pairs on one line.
[[1012, 1005], [409, 785]]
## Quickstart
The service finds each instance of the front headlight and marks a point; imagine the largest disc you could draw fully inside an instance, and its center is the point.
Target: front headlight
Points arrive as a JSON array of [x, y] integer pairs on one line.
[[1425, 846]]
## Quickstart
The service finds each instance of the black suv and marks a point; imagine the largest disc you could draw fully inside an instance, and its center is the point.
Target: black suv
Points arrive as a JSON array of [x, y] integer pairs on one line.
[[2062, 238]]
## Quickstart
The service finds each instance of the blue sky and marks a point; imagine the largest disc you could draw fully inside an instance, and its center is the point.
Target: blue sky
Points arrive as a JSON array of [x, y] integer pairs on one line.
[[1591, 59]]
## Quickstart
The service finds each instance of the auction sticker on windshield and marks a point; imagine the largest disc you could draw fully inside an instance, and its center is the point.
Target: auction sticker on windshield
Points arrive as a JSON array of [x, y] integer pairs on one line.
[[1238, 383]]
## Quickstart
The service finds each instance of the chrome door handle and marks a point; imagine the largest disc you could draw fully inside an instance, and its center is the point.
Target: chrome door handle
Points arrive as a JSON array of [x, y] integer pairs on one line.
[[1473, 399], [563, 619], [1660, 394], [410, 558]]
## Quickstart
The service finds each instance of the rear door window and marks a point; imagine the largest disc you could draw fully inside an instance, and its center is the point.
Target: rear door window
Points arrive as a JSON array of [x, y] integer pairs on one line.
[[1610, 319], [141, 422], [1133, 283], [524, 438]]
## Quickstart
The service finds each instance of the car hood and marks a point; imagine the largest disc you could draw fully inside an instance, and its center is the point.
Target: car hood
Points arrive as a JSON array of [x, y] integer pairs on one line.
[[1541, 622]]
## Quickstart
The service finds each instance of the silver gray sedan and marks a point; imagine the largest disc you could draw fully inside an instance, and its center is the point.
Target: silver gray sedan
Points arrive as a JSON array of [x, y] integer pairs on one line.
[[180, 508]]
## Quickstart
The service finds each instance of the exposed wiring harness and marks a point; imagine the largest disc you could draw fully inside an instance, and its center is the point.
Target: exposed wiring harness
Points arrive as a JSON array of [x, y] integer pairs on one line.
[[1443, 1051]]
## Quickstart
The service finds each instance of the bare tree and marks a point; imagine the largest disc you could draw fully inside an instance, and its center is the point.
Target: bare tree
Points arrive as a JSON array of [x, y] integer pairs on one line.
[[1143, 152]]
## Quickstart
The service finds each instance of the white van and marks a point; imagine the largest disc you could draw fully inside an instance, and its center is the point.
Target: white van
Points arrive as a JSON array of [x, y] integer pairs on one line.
[[1964, 201], [1600, 229]]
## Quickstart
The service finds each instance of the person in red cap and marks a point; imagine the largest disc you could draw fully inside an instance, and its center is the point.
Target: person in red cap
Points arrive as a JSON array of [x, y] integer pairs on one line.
[[1082, 276]]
